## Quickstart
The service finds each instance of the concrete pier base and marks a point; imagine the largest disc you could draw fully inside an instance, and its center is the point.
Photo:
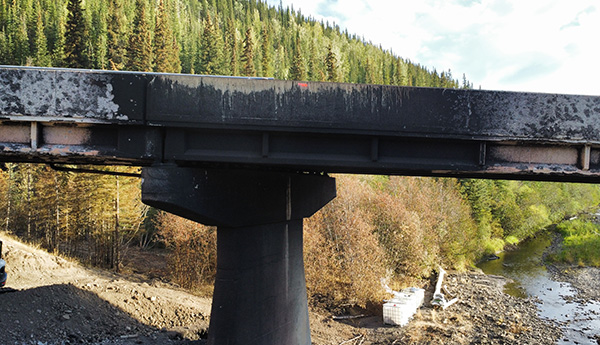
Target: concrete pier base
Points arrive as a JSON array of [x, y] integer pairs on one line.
[[260, 288]]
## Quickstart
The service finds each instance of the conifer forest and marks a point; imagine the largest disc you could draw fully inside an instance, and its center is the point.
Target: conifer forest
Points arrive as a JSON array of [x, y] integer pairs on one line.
[[399, 228]]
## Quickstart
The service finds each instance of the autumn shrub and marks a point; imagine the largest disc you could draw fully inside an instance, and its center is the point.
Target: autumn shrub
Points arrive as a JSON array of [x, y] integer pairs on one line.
[[422, 223], [193, 250], [397, 228], [343, 259]]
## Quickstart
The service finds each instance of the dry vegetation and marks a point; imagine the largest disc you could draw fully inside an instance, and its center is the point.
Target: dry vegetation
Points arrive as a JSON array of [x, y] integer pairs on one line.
[[381, 227], [394, 228], [193, 258]]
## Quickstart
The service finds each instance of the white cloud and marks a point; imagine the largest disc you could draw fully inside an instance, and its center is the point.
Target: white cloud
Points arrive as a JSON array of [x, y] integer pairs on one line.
[[533, 45]]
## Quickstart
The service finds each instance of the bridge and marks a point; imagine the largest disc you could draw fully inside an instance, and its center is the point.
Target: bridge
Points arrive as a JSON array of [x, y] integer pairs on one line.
[[252, 157]]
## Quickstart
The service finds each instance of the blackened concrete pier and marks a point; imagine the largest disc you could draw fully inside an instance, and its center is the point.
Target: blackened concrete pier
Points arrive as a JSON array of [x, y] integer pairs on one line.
[[260, 289]]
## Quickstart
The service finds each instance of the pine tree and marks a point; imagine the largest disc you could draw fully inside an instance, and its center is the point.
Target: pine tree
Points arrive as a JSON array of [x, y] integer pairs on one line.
[[331, 62], [248, 55], [139, 52], [297, 70], [75, 36], [166, 50]]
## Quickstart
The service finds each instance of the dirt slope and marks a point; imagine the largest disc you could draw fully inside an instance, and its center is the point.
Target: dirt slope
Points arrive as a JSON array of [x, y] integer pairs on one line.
[[49, 300]]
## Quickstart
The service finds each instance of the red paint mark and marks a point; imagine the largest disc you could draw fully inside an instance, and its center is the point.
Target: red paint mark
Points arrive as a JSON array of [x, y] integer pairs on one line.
[[303, 84]]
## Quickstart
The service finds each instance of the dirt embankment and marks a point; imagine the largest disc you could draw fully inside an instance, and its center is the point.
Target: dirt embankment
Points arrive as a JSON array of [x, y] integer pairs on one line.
[[55, 301], [49, 300]]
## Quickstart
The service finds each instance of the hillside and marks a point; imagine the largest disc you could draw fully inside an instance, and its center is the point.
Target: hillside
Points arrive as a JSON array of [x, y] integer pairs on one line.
[[225, 37]]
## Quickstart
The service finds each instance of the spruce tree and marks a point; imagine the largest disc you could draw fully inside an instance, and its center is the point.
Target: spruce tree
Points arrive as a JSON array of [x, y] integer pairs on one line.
[[3, 13], [75, 36], [232, 47], [55, 33], [17, 37], [402, 71], [369, 70], [4, 49], [248, 55], [115, 35], [211, 58], [297, 70], [40, 54], [331, 62], [139, 51], [267, 69], [465, 83], [166, 49]]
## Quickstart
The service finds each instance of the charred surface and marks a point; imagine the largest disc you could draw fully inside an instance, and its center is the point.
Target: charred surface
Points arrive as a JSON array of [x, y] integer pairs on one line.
[[101, 117]]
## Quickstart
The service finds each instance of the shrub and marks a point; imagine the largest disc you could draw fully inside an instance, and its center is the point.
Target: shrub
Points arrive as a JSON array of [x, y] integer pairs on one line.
[[581, 244], [398, 227], [424, 222], [493, 245], [193, 258], [511, 240], [343, 259]]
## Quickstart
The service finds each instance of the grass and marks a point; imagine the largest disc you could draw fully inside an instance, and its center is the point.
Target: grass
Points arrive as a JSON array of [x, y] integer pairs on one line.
[[581, 243]]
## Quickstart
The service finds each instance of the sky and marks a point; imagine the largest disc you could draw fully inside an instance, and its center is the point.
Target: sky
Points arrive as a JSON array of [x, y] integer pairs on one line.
[[548, 46]]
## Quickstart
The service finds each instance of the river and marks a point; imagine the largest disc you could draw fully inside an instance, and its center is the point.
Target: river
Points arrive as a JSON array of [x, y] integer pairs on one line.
[[525, 267]]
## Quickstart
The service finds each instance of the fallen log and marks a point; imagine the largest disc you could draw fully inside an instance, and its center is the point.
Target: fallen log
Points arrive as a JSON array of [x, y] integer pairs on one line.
[[439, 300]]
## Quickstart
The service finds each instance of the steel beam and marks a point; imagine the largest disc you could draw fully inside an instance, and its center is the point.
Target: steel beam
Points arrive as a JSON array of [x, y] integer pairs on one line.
[[100, 117]]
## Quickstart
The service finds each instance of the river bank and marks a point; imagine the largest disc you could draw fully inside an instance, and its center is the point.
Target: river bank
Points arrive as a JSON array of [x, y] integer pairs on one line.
[[585, 280], [484, 314], [565, 294]]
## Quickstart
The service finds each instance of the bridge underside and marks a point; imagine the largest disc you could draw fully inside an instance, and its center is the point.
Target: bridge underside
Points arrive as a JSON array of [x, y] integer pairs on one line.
[[84, 117], [287, 151], [251, 156]]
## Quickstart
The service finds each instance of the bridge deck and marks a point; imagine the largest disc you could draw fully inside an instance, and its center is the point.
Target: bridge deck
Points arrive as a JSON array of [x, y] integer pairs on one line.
[[100, 117]]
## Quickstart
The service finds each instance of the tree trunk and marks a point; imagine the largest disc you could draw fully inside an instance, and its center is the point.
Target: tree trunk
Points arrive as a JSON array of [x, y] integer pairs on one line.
[[56, 234]]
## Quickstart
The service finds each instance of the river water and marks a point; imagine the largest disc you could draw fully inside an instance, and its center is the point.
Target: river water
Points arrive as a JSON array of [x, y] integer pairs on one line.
[[531, 279]]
